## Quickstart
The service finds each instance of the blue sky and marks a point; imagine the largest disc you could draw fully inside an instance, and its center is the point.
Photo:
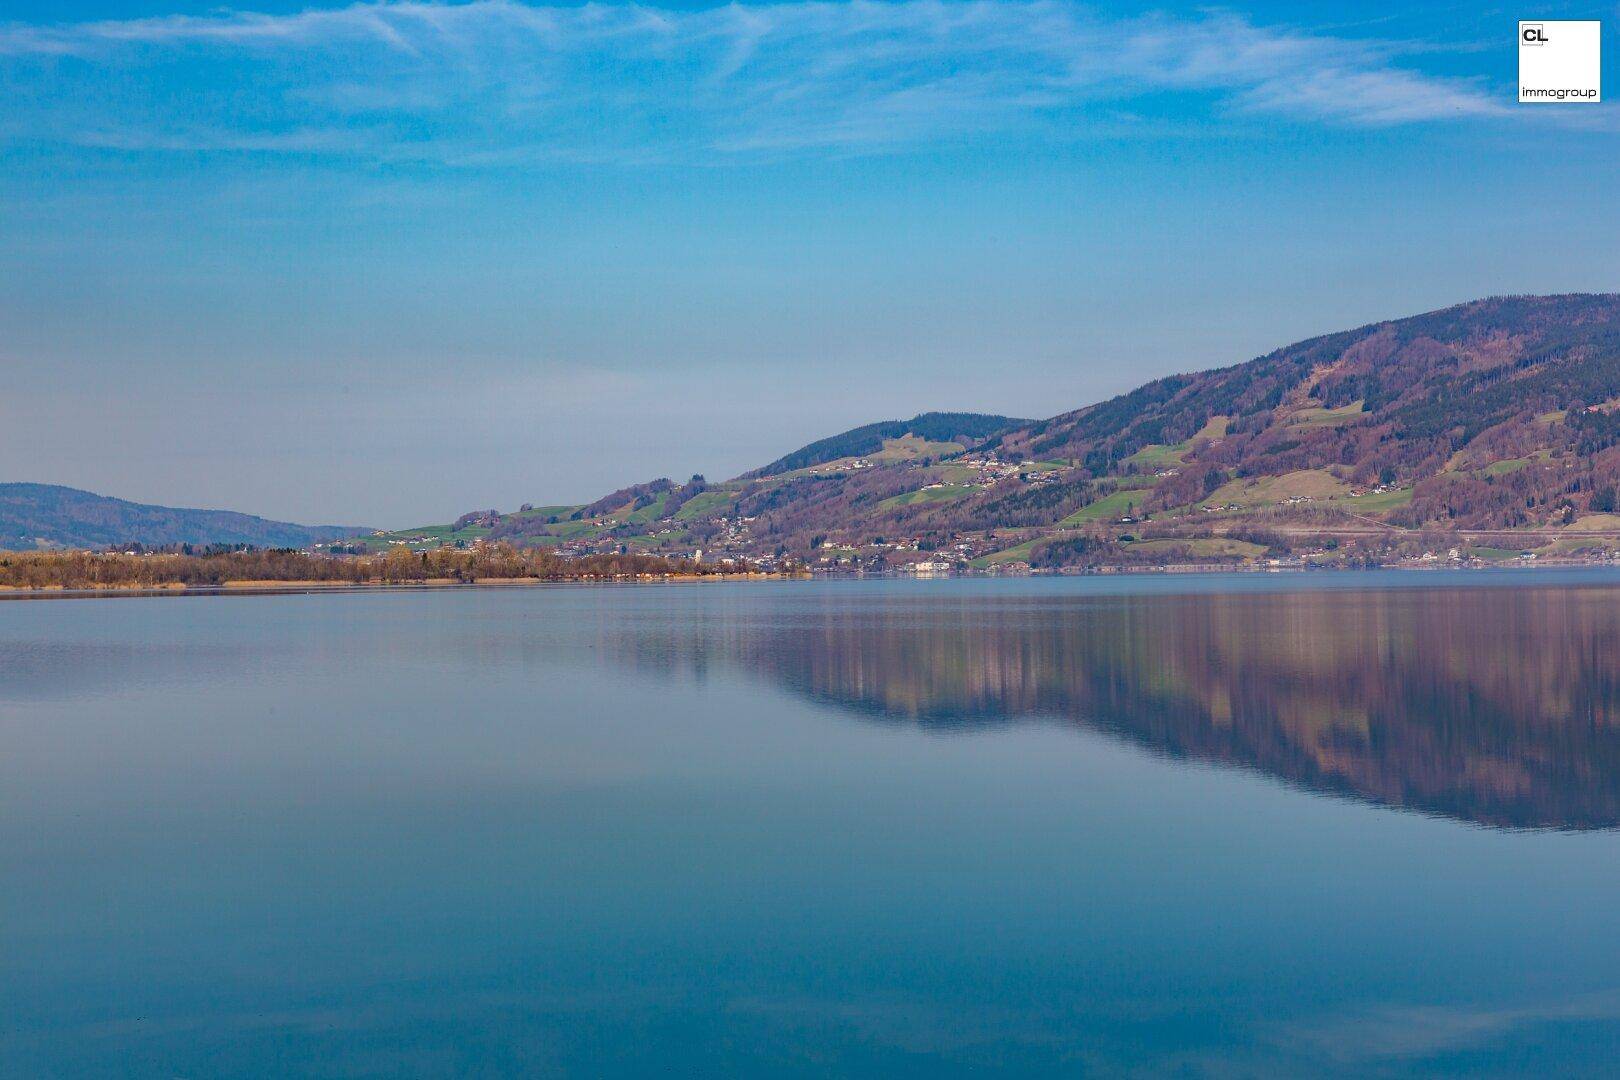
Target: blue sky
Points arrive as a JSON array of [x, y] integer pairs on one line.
[[384, 263]]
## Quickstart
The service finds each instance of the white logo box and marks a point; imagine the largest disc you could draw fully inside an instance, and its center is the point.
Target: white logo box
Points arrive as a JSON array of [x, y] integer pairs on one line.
[[1560, 61]]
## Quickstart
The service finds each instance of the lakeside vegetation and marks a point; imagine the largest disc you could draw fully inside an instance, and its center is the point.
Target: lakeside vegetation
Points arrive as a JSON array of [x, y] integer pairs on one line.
[[226, 567]]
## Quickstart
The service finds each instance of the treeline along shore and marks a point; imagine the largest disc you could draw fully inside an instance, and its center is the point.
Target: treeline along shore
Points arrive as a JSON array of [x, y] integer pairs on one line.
[[84, 570]]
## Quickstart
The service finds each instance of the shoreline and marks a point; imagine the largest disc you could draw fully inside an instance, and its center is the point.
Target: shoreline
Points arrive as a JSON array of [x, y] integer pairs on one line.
[[305, 587], [301, 588]]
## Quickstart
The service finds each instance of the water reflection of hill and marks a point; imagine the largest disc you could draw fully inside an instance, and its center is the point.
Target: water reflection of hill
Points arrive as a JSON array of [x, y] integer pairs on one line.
[[1493, 706]]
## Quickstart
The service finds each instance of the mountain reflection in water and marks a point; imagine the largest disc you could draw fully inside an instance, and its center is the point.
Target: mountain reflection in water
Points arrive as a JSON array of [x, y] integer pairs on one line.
[[1492, 706]]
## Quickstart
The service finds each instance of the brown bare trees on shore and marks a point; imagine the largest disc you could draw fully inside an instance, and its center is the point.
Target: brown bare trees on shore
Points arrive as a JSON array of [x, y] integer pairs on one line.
[[94, 570]]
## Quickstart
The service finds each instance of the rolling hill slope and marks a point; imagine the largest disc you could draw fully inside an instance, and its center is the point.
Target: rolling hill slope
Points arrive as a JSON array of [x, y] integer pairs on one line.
[[36, 516], [1495, 423]]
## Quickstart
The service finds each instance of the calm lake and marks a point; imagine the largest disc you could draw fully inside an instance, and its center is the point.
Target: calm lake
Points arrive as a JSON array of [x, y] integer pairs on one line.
[[1255, 825]]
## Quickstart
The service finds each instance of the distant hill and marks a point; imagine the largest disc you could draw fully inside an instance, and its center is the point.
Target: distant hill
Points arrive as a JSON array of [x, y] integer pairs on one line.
[[1482, 432], [36, 516], [939, 427]]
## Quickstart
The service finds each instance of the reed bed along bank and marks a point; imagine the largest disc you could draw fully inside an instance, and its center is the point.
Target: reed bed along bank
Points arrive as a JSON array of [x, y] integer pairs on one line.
[[212, 569]]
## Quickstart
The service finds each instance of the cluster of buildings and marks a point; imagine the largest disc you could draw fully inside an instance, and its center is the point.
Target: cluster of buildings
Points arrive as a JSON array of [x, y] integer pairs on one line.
[[991, 469], [898, 555]]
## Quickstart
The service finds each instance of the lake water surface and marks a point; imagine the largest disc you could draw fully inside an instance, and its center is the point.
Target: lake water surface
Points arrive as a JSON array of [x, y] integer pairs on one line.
[[1253, 825]]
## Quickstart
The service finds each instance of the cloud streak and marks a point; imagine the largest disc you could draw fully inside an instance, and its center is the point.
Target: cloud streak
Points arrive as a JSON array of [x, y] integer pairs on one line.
[[495, 81], [1419, 1031]]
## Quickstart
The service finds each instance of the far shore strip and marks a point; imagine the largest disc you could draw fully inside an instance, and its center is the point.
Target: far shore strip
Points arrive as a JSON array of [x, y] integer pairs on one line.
[[272, 584]]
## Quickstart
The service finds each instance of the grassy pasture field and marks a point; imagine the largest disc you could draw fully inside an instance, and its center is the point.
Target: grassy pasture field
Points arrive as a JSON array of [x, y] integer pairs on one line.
[[574, 530], [1016, 553], [946, 493], [1205, 547], [1108, 508], [706, 504], [651, 512], [1493, 554], [1579, 545], [1269, 490], [1595, 523], [911, 447], [1310, 419], [1373, 503], [1156, 457]]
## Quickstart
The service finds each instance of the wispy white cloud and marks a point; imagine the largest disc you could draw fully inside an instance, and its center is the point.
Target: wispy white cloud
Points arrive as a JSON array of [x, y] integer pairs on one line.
[[1418, 1031], [498, 80]]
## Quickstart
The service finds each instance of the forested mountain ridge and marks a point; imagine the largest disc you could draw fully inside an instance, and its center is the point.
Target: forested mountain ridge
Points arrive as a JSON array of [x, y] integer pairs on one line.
[[44, 516], [1404, 394], [1481, 431]]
